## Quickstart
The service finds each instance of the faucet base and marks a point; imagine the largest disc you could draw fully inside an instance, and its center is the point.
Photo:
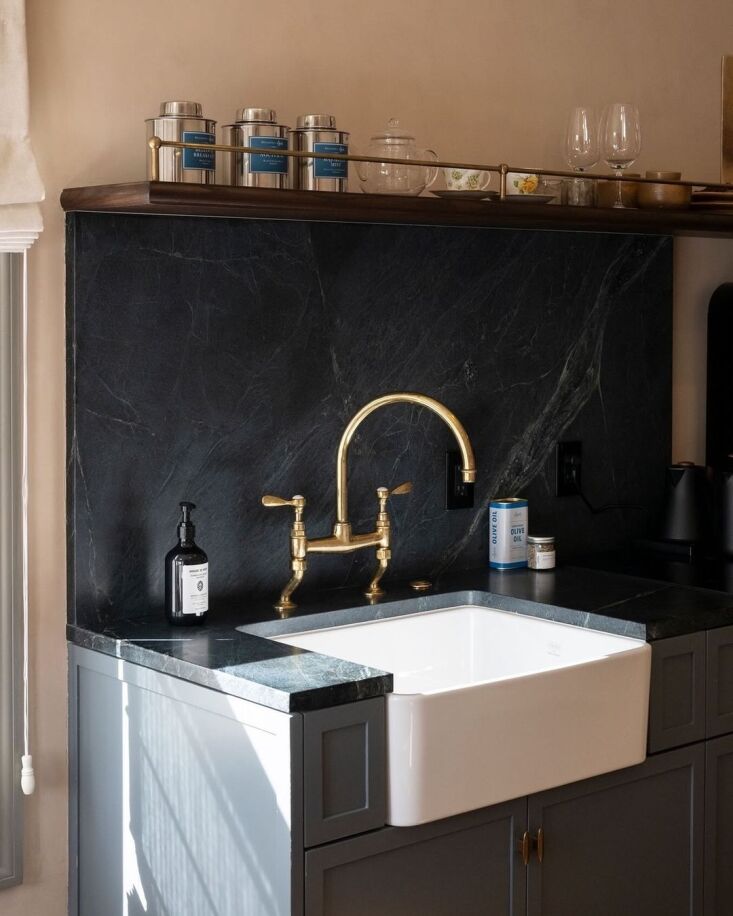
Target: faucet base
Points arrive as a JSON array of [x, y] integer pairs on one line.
[[384, 555], [285, 607]]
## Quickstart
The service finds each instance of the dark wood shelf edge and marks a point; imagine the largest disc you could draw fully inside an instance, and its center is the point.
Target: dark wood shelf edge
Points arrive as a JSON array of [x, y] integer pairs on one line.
[[258, 203]]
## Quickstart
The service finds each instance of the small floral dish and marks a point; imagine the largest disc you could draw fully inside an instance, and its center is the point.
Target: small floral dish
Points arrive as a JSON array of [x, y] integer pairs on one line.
[[521, 183]]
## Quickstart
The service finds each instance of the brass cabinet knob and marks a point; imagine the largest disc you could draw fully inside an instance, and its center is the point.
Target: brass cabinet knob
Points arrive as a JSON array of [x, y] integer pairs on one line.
[[525, 847], [539, 844], [528, 842]]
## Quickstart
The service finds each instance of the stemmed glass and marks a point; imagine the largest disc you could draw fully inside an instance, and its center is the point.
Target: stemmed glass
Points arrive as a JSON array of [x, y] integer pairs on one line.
[[621, 140], [581, 152]]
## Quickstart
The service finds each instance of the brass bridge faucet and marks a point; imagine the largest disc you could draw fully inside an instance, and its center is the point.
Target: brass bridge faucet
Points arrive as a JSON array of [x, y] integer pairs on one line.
[[343, 540]]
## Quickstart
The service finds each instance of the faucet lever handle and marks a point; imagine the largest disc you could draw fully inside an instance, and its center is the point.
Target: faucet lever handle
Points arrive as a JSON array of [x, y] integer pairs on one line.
[[271, 501], [297, 502], [383, 494], [405, 487]]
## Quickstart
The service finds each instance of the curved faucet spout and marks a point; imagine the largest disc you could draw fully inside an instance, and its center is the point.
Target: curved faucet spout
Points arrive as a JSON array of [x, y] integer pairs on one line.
[[402, 397]]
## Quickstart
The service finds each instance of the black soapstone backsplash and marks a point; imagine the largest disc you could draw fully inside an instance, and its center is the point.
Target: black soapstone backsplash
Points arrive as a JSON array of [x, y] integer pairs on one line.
[[216, 360]]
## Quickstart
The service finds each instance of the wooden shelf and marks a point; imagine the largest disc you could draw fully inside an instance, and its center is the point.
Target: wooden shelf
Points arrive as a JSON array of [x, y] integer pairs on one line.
[[258, 203]]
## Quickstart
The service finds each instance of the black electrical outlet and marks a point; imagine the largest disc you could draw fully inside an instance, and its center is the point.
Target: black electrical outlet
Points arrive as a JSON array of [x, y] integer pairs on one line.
[[568, 468], [458, 495]]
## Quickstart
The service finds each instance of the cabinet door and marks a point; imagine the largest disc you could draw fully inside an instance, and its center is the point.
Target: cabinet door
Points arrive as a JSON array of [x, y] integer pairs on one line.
[[720, 681], [461, 866], [719, 826], [677, 692], [625, 843], [344, 770]]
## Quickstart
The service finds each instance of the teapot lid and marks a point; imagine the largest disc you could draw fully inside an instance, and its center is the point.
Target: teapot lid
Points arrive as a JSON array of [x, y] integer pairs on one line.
[[394, 133]]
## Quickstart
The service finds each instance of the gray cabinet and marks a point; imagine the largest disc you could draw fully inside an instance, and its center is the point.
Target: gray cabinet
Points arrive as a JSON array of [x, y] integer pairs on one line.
[[296, 804], [344, 785], [625, 843], [719, 826], [691, 694], [466, 865], [184, 801], [719, 682], [629, 842], [677, 692]]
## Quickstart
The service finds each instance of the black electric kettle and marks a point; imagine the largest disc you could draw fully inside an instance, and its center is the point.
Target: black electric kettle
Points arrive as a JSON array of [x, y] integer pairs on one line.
[[686, 504], [719, 414]]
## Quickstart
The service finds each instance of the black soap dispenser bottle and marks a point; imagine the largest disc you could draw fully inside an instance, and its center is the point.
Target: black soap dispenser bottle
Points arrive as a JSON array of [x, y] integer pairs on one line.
[[186, 576]]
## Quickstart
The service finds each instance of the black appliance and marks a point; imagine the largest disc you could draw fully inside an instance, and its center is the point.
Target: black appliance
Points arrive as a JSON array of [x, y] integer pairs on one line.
[[719, 435]]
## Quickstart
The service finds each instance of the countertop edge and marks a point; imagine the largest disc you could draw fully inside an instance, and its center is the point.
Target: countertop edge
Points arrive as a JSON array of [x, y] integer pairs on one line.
[[296, 701]]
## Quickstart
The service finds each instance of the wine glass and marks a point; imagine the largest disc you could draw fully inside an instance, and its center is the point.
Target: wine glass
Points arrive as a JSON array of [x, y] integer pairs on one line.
[[581, 152], [621, 140]]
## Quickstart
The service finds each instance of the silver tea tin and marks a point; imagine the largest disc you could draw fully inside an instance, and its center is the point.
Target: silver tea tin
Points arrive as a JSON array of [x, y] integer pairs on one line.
[[184, 121], [540, 552], [256, 127], [508, 517], [317, 133]]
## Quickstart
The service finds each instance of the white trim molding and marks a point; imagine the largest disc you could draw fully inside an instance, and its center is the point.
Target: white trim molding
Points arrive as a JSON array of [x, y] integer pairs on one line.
[[12, 298]]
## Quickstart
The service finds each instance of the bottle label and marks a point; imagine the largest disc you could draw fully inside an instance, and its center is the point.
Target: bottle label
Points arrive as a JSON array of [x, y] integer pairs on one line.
[[268, 162], [198, 158], [540, 559], [195, 589], [545, 559], [331, 168]]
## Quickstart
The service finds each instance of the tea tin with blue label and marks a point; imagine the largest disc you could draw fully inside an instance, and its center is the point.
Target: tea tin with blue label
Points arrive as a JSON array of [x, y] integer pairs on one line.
[[258, 129], [317, 133], [508, 521], [184, 121]]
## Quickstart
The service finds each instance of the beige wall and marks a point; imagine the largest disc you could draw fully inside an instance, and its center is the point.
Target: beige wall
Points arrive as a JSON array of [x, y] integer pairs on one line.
[[472, 79]]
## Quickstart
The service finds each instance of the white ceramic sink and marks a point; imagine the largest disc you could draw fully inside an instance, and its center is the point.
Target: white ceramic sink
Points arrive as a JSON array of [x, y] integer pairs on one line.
[[490, 705]]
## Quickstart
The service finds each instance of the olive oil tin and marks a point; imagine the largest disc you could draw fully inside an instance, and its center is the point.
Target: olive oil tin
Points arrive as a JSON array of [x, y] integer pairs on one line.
[[184, 121], [508, 519], [258, 129]]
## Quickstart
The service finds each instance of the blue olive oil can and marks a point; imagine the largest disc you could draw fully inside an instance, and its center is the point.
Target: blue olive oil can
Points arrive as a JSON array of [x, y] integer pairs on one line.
[[508, 521]]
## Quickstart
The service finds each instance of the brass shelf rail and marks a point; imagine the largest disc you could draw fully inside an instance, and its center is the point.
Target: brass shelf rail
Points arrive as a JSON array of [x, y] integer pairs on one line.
[[155, 144]]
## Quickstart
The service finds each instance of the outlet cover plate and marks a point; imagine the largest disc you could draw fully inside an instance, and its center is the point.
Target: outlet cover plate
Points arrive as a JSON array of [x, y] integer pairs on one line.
[[458, 495], [568, 468]]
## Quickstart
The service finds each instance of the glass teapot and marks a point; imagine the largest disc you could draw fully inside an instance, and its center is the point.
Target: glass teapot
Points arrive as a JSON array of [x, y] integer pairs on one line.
[[388, 178]]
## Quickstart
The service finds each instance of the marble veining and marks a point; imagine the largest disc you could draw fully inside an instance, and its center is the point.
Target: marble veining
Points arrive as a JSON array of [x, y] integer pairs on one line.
[[216, 360]]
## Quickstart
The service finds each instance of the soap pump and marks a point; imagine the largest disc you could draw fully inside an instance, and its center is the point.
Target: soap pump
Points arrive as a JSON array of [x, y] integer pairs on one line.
[[186, 575]]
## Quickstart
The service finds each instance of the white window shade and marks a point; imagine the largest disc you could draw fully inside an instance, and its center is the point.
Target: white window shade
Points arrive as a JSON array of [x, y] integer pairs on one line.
[[21, 191], [11, 569], [21, 188]]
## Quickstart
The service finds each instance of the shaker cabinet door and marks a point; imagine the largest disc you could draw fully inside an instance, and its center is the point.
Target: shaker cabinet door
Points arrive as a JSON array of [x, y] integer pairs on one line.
[[719, 682], [461, 866], [719, 827], [624, 843]]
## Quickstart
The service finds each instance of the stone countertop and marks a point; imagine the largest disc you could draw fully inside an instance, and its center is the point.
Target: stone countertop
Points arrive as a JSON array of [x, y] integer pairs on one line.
[[245, 663]]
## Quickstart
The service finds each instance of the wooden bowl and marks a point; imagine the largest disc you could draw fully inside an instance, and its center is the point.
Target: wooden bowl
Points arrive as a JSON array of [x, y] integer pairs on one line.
[[659, 196]]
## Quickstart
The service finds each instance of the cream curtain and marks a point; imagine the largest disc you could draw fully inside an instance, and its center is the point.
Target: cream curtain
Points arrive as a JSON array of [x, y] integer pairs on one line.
[[21, 188]]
